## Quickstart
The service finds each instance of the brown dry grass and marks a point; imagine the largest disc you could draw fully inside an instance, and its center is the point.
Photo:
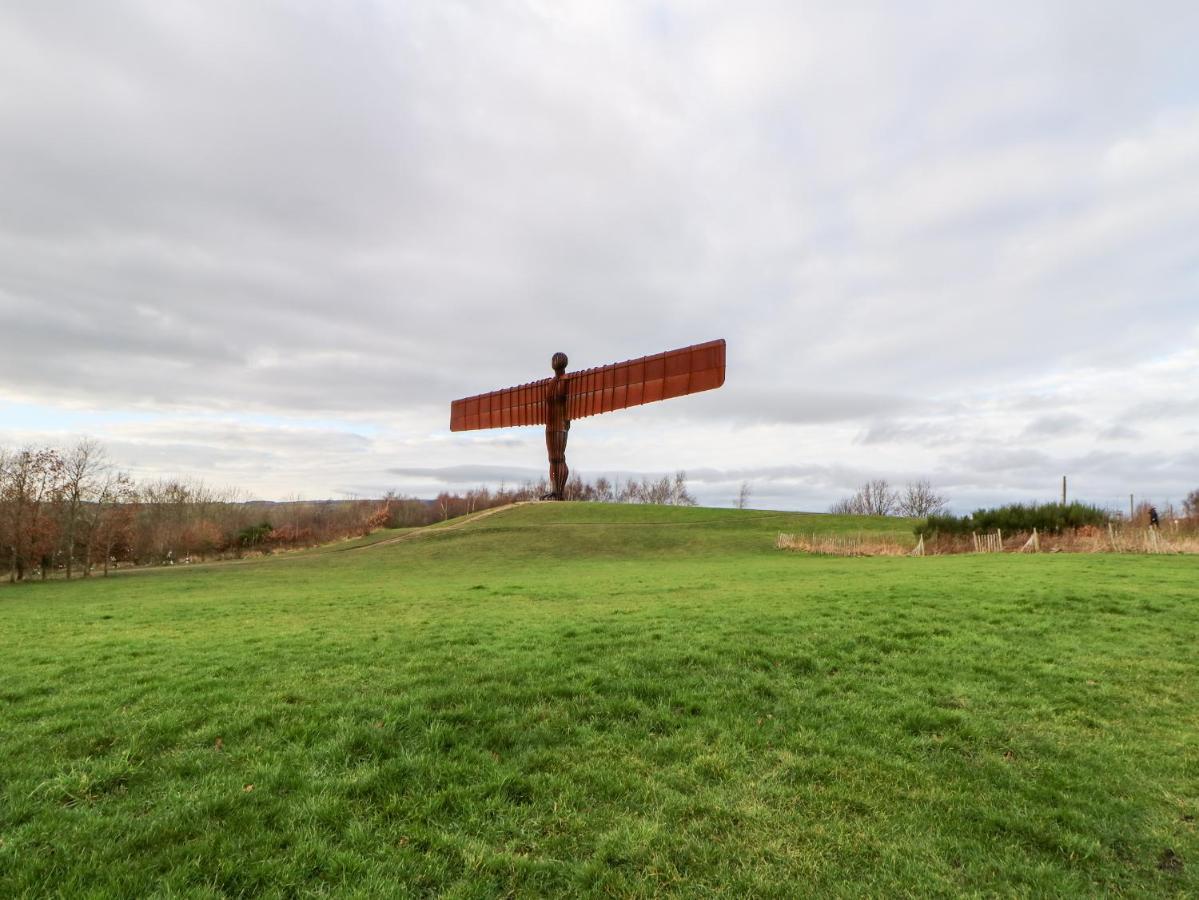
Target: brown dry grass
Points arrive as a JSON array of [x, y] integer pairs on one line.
[[1088, 539], [842, 545]]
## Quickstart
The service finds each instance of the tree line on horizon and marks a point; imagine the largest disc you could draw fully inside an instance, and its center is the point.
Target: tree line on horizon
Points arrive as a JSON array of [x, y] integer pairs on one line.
[[667, 490], [920, 500], [72, 512]]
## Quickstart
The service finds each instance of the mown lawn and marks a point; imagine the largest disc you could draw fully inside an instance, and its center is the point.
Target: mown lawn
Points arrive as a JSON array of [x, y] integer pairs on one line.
[[580, 699]]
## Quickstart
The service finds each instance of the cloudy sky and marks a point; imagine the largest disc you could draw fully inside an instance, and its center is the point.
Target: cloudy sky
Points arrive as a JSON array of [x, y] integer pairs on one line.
[[266, 244]]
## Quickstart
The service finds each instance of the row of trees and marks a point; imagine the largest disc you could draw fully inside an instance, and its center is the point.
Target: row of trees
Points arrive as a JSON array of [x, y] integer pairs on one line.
[[917, 499], [667, 490], [55, 504], [72, 512]]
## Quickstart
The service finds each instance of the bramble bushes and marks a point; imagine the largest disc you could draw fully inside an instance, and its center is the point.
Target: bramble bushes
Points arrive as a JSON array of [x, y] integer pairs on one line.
[[1018, 517], [254, 535]]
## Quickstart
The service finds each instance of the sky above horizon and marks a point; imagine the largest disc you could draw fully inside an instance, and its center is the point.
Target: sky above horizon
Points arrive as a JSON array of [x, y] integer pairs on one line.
[[265, 245]]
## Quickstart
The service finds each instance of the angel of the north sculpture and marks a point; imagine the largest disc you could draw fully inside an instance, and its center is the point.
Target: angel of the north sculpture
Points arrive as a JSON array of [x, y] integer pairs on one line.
[[553, 402]]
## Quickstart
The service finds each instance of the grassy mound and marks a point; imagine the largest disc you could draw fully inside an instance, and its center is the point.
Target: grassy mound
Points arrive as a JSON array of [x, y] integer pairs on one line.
[[569, 698]]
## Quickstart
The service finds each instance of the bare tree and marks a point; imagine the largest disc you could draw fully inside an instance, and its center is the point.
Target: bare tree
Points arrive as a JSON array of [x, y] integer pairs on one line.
[[82, 468], [31, 482], [665, 491], [679, 495], [603, 490], [1190, 506], [918, 500], [743, 495], [574, 489], [874, 498], [118, 508], [879, 498]]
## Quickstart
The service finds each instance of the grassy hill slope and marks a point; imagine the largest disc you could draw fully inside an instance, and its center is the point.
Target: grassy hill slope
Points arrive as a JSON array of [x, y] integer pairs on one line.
[[576, 698]]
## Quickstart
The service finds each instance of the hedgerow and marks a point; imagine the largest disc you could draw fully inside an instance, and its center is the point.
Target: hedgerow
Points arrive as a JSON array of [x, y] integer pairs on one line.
[[1018, 517]]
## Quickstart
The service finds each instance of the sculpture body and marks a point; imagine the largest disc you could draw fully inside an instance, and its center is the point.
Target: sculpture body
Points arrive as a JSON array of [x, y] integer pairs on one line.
[[557, 426], [555, 401]]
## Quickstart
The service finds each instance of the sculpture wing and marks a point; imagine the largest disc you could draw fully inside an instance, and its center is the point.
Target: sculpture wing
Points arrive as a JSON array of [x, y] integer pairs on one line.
[[520, 405], [633, 382]]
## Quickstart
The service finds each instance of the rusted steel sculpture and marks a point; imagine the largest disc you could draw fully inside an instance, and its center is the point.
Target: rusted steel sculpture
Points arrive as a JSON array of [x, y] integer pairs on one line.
[[553, 402]]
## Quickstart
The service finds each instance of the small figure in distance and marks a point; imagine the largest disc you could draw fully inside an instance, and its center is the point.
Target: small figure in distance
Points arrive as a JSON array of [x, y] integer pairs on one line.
[[557, 425], [1153, 517]]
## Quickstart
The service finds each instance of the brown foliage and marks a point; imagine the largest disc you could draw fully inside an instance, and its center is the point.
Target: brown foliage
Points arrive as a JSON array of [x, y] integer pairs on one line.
[[378, 519], [291, 536], [31, 483]]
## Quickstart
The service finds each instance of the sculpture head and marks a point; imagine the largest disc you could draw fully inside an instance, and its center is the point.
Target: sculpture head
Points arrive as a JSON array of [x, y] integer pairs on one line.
[[559, 362]]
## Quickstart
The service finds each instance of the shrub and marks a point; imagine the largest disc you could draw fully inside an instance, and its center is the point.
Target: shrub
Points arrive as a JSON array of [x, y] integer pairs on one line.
[[291, 535], [1051, 518], [380, 518], [254, 535]]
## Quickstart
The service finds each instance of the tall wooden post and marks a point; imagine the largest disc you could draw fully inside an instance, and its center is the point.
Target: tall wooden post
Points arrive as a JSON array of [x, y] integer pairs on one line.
[[1063, 490], [1131, 509]]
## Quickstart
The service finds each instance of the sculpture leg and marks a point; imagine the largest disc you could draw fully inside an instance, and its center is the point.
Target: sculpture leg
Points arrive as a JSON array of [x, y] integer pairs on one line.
[[558, 475], [555, 443]]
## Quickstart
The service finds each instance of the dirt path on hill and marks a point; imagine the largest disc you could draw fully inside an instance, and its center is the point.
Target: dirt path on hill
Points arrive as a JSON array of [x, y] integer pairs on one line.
[[433, 529]]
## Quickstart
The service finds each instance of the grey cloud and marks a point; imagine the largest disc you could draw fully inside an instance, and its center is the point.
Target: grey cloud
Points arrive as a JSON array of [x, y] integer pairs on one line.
[[1055, 426], [1034, 402], [801, 406], [501, 443], [470, 475], [998, 460], [1158, 410], [1119, 432], [816, 473], [918, 432], [365, 212], [404, 209]]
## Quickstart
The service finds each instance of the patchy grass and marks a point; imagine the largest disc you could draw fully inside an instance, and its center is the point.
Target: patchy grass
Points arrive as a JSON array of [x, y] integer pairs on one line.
[[635, 701]]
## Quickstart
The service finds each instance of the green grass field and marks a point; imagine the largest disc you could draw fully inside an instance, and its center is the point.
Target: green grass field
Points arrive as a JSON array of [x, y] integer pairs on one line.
[[626, 701]]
